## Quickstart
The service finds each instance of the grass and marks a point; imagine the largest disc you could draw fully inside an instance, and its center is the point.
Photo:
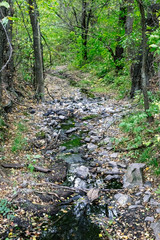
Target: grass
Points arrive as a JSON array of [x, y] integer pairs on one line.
[[19, 142]]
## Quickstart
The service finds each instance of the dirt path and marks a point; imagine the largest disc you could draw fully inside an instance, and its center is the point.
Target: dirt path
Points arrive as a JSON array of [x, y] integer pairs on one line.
[[69, 137]]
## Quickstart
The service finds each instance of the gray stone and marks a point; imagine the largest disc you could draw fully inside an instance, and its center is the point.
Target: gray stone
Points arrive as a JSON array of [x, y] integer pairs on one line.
[[154, 203], [123, 200], [72, 130], [112, 164], [149, 219], [114, 155], [118, 195], [61, 117], [82, 172], [62, 148], [146, 198], [91, 147], [158, 210], [87, 139], [94, 139], [148, 184], [135, 206], [111, 177], [79, 183], [156, 229], [134, 175], [105, 141], [121, 165]]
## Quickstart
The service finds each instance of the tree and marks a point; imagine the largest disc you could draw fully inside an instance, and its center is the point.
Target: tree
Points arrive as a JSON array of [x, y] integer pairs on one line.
[[149, 21], [78, 16], [38, 56], [144, 77], [6, 60]]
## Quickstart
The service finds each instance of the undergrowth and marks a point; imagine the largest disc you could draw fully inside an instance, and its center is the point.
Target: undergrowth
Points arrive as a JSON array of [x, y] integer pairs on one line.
[[141, 140]]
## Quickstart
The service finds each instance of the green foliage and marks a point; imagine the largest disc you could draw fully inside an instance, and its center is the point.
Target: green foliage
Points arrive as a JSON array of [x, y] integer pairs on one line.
[[32, 160], [142, 136], [5, 209], [2, 129], [19, 143]]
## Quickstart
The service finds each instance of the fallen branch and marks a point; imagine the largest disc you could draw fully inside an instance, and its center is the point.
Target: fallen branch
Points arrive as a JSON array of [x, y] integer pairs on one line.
[[12, 165], [41, 169], [64, 187]]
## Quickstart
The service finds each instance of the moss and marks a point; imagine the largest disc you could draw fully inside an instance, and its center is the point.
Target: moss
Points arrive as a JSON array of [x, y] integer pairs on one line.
[[91, 116], [74, 141]]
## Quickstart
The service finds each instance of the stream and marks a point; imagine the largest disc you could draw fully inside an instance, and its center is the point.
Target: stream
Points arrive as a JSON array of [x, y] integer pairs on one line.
[[79, 140]]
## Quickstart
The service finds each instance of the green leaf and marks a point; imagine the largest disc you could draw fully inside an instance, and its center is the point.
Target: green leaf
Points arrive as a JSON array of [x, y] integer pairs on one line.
[[4, 4]]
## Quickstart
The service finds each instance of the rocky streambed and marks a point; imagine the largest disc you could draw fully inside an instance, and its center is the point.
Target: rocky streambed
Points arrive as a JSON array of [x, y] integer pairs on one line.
[[99, 193]]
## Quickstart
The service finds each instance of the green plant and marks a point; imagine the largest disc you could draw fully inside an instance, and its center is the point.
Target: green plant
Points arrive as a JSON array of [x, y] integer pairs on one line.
[[32, 160], [5, 209], [19, 143]]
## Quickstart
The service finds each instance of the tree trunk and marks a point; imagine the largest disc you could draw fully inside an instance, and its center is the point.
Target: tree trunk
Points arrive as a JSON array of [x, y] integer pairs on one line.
[[144, 76], [84, 30], [9, 70], [135, 68], [39, 81], [119, 51], [2, 44]]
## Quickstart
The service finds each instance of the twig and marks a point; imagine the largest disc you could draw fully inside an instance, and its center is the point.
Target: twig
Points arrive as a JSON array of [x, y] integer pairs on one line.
[[49, 93]]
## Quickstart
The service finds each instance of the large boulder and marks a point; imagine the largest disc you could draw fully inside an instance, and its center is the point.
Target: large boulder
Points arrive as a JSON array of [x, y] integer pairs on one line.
[[134, 175]]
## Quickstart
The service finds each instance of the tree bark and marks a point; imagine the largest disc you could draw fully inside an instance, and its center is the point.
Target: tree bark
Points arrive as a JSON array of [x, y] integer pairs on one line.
[[8, 74], [38, 58], [144, 76], [136, 76]]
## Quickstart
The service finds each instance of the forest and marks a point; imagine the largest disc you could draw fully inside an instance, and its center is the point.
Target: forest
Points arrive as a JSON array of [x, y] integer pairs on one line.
[[80, 119]]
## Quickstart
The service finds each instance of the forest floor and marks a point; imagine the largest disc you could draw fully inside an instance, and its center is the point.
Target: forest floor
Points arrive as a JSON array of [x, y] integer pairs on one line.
[[63, 148]]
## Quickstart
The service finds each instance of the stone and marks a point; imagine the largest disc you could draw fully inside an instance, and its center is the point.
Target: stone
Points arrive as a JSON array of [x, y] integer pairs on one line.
[[123, 200], [91, 146], [158, 210], [156, 229], [146, 198], [72, 130], [121, 165], [148, 184], [149, 219], [79, 183], [111, 177], [154, 203], [106, 140], [87, 139], [114, 155], [82, 172], [118, 195], [135, 206], [112, 164], [61, 117], [134, 175], [93, 194]]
